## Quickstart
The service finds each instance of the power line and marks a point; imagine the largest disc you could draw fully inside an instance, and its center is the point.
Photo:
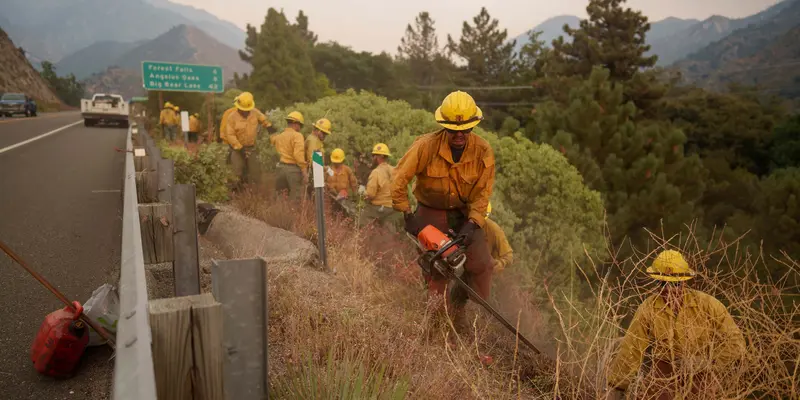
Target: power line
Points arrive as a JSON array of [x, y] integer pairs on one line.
[[477, 88]]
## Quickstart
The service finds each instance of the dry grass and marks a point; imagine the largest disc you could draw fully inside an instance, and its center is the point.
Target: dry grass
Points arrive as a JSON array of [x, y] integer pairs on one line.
[[367, 323]]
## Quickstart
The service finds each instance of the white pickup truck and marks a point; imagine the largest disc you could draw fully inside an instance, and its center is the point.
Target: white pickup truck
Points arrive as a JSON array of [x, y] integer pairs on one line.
[[106, 108]]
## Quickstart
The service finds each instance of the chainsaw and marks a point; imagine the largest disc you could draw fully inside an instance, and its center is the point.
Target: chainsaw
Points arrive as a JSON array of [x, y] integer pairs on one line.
[[441, 254]]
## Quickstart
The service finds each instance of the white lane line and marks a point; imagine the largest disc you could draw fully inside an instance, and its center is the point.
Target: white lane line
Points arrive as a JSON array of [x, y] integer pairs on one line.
[[42, 136], [106, 191]]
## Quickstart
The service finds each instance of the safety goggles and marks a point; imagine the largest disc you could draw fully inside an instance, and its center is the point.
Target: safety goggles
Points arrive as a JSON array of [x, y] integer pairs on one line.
[[453, 132]]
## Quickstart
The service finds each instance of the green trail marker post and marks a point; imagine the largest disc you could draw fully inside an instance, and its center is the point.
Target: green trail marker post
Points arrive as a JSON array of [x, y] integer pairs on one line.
[[182, 77], [319, 184]]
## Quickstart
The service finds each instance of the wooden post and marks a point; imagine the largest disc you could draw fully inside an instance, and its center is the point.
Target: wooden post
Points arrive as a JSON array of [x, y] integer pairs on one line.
[[187, 347], [147, 186], [241, 287], [209, 354], [156, 226], [186, 266], [166, 178]]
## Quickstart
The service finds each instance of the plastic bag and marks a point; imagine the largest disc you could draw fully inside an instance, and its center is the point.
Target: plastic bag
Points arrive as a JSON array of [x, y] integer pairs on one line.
[[102, 308]]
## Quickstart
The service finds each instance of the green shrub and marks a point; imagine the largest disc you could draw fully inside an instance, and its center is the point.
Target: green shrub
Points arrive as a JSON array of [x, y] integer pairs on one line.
[[207, 169]]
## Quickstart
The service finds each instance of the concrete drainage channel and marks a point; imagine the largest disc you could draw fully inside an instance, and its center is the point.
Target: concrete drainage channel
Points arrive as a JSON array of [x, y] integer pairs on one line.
[[173, 341]]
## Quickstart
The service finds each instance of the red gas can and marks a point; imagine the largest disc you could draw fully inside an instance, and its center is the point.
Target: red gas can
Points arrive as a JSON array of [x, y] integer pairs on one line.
[[60, 343]]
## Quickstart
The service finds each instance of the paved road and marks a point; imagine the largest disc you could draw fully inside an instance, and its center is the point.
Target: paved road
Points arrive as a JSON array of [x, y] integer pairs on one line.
[[60, 210]]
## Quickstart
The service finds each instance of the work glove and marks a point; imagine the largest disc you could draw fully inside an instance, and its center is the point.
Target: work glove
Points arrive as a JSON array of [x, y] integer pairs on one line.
[[342, 195], [412, 224], [498, 266], [467, 231], [362, 190], [330, 171]]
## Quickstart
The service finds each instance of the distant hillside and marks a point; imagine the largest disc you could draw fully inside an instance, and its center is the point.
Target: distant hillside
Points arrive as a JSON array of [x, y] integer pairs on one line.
[[94, 58], [765, 53], [54, 29], [183, 44], [223, 31], [554, 27], [551, 29], [671, 48], [125, 82], [17, 74]]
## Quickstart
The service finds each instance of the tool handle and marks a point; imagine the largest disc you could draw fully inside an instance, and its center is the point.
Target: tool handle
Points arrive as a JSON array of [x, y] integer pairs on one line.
[[100, 330]]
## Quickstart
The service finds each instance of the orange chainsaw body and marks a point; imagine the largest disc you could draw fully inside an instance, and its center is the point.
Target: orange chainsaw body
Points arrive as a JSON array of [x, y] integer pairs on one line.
[[433, 239]]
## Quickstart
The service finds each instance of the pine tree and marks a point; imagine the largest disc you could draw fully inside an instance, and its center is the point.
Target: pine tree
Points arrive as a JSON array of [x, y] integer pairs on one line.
[[282, 69], [301, 23], [612, 37], [489, 57], [427, 65], [639, 166]]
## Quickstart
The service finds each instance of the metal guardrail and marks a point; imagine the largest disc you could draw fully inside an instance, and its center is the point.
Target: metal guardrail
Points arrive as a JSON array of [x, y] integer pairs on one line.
[[134, 378]]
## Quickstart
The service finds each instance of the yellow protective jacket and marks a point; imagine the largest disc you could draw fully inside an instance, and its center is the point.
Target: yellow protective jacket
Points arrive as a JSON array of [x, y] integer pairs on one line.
[[442, 183], [379, 185], [501, 251], [313, 144], [168, 117], [194, 124], [343, 179], [290, 146], [241, 131], [223, 123], [703, 334]]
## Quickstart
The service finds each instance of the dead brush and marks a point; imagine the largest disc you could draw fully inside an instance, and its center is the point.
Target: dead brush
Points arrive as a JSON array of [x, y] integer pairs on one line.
[[767, 313], [371, 312]]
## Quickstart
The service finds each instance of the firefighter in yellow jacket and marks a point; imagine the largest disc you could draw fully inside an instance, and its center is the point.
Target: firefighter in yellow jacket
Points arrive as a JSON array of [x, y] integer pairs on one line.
[[167, 120], [501, 251], [241, 129], [322, 129], [194, 127], [340, 179], [262, 119], [293, 166], [690, 334], [378, 191], [455, 174]]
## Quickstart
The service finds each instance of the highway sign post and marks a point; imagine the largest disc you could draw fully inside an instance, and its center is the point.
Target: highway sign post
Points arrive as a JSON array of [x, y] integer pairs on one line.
[[182, 77], [319, 184]]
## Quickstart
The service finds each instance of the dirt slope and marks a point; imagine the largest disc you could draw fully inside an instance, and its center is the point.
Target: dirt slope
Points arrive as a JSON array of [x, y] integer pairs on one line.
[[17, 74]]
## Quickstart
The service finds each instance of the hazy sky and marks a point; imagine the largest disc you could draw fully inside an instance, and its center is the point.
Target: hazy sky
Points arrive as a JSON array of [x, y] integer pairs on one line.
[[377, 25]]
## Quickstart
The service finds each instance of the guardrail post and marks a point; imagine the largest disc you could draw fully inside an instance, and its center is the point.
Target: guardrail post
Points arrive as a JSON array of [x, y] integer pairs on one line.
[[241, 287], [186, 266], [166, 178], [187, 347]]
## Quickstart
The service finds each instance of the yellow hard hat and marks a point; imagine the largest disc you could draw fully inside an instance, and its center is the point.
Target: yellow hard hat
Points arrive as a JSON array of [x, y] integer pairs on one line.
[[324, 125], [381, 149], [458, 112], [337, 155], [245, 101], [295, 116], [167, 104], [197, 115], [177, 108], [670, 266]]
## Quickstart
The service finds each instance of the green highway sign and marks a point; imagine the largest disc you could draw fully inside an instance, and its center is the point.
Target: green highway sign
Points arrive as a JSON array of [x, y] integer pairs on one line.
[[182, 77]]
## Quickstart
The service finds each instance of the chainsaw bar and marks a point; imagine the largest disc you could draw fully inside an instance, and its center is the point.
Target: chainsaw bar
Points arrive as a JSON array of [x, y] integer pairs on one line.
[[472, 294]]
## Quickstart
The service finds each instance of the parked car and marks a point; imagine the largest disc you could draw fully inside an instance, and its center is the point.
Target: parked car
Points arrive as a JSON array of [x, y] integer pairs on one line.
[[17, 103]]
